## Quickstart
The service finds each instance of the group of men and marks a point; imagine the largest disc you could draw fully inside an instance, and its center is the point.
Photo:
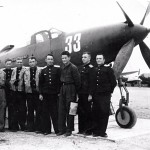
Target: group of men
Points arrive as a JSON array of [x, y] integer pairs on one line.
[[37, 96]]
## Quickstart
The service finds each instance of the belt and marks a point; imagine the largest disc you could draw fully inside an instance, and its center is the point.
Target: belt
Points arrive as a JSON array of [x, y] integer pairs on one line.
[[65, 83]]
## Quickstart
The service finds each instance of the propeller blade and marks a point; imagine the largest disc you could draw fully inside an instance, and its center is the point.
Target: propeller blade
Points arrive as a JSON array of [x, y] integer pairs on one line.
[[145, 53], [123, 57], [146, 13], [130, 23]]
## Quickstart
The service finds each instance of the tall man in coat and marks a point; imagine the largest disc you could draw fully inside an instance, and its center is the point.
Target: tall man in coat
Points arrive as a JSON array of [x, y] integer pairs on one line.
[[104, 82], [70, 79], [2, 100]]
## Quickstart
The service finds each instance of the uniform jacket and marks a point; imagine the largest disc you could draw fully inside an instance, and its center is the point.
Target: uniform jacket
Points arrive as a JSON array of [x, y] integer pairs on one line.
[[2, 91], [13, 79], [2, 78], [86, 78], [27, 82], [49, 81], [8, 77], [104, 80], [70, 75]]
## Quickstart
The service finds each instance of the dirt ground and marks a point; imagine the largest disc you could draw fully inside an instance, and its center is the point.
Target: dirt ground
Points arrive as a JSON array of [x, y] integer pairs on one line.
[[139, 101], [31, 141]]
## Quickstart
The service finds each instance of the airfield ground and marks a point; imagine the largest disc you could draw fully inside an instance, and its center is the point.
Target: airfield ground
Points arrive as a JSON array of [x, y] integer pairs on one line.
[[137, 138]]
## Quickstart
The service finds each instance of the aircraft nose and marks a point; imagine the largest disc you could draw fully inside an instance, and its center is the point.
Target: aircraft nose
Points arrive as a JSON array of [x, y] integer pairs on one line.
[[148, 30]]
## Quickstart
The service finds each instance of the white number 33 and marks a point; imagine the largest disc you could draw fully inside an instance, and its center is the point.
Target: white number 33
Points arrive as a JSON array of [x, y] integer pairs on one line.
[[73, 43]]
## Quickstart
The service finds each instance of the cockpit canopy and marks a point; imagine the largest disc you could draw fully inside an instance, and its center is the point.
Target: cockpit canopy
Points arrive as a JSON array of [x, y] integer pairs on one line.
[[45, 35]]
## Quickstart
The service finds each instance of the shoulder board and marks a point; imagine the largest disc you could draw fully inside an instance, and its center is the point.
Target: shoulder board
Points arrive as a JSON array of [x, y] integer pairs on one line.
[[39, 67], [23, 67], [26, 68], [3, 69], [14, 68], [107, 66], [91, 66], [43, 67], [57, 66]]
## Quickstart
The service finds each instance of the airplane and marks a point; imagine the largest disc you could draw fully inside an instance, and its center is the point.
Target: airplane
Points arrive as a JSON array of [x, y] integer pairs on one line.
[[145, 77], [131, 78], [136, 79], [115, 41]]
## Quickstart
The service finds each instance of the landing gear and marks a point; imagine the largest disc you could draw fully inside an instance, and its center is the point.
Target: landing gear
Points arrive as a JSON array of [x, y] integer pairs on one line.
[[125, 116]]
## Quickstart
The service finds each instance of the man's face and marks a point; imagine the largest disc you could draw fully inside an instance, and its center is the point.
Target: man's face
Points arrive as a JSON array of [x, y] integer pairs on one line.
[[49, 60], [32, 62], [86, 58], [100, 59], [8, 64], [65, 59], [19, 63]]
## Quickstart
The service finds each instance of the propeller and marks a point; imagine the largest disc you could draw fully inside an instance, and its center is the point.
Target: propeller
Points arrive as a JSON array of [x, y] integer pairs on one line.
[[123, 57], [128, 20], [145, 53], [126, 50], [143, 47], [145, 15]]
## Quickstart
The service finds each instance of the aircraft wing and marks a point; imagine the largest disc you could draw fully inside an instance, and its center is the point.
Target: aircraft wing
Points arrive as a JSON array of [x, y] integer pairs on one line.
[[128, 73]]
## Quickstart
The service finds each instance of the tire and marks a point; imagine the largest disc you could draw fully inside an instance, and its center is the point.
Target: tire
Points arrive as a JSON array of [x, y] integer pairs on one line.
[[130, 117]]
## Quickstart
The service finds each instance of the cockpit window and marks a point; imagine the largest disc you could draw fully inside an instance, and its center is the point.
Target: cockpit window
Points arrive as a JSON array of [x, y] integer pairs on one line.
[[41, 37], [55, 33]]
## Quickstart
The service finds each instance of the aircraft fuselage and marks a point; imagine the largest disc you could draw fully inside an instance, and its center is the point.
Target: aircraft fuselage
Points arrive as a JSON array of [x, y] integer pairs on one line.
[[107, 40]]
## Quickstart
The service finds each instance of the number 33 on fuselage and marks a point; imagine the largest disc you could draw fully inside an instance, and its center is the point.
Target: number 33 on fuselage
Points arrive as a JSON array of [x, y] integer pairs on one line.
[[73, 43]]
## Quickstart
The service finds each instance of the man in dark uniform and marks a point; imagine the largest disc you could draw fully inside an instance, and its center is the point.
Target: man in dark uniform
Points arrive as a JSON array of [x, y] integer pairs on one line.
[[19, 99], [70, 80], [8, 70], [103, 86], [31, 80], [49, 89], [2, 100], [84, 103]]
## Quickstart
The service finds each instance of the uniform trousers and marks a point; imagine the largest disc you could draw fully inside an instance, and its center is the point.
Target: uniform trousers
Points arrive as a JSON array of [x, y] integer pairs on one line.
[[19, 110], [100, 109], [67, 95], [9, 103], [50, 112], [84, 113], [34, 107], [2, 108]]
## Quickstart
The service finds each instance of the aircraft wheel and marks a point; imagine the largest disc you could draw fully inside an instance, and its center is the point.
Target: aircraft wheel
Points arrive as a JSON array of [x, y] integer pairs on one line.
[[129, 117]]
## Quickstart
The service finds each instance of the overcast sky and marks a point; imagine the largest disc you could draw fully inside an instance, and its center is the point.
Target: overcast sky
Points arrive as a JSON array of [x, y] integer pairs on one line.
[[22, 18]]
